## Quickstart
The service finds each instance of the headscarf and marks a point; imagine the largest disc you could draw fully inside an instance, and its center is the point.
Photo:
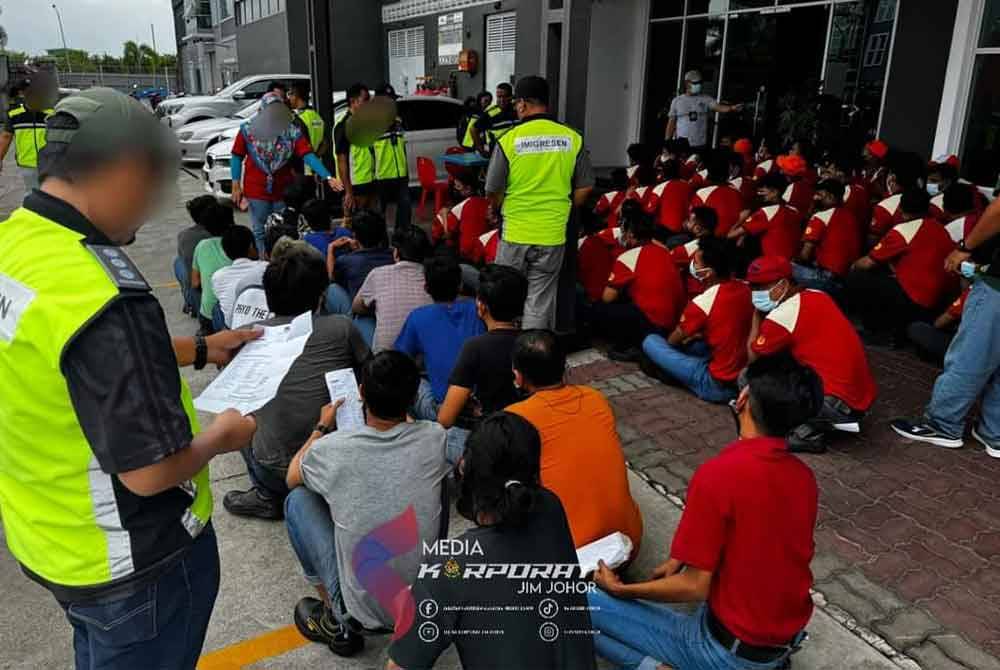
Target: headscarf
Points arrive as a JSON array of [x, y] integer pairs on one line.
[[270, 146]]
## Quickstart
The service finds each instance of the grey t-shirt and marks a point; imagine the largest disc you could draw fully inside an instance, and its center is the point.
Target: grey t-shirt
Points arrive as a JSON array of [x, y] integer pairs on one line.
[[284, 423], [368, 478], [691, 113], [187, 240]]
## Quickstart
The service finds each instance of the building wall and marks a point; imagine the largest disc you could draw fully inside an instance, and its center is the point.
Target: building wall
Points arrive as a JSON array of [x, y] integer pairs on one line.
[[917, 73], [358, 48], [263, 46]]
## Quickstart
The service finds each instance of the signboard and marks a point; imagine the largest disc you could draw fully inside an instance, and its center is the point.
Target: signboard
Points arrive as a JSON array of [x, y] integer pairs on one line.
[[449, 38]]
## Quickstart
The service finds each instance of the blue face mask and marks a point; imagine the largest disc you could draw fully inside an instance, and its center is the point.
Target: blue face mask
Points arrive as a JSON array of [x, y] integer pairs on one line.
[[763, 301], [968, 269], [696, 273], [933, 188]]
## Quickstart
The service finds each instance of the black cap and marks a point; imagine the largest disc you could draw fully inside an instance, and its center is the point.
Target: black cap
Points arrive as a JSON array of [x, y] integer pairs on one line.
[[532, 88]]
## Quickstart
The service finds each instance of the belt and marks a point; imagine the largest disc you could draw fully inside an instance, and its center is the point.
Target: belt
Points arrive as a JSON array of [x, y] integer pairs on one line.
[[741, 649]]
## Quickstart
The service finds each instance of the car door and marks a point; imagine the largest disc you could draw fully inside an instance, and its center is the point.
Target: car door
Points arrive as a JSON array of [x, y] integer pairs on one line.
[[430, 129]]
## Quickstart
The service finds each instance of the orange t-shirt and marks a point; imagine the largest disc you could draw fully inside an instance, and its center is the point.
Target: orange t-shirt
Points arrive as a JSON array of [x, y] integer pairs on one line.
[[583, 463]]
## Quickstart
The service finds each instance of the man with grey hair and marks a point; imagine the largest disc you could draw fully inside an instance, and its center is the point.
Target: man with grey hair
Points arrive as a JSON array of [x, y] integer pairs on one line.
[[105, 493], [689, 112]]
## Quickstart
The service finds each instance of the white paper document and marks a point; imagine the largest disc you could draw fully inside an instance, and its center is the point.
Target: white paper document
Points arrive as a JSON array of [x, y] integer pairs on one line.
[[251, 380], [613, 549], [342, 384]]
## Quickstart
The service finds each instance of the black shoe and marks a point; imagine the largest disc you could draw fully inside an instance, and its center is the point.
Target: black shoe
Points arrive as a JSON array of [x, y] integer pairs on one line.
[[254, 504], [630, 355], [315, 621], [923, 432], [346, 642], [806, 440]]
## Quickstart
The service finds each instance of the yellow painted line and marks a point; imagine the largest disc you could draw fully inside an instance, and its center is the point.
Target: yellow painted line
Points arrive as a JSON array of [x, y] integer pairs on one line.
[[169, 284], [248, 652]]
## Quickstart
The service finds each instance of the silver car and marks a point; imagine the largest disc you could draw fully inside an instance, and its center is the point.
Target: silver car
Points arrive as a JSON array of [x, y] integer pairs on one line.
[[177, 112], [195, 138]]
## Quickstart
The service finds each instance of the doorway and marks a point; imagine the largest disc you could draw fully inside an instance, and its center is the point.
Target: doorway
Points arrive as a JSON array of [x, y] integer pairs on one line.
[[553, 65]]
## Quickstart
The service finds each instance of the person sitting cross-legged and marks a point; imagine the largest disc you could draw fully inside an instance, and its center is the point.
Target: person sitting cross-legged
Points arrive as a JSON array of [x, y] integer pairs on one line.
[[809, 325], [324, 234], [707, 350], [187, 240], [775, 228], [238, 243], [349, 270], [831, 242], [294, 283], [345, 485], [754, 594], [582, 458], [482, 380], [208, 258]]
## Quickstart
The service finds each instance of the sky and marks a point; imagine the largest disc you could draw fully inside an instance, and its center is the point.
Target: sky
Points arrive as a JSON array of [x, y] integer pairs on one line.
[[98, 26]]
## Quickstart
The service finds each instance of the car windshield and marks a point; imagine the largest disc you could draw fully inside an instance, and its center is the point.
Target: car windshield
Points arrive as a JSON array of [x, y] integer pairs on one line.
[[228, 91]]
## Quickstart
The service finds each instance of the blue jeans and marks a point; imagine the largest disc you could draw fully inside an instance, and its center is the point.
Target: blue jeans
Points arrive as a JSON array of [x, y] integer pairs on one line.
[[366, 326], [971, 367], [643, 635], [218, 319], [311, 532], [192, 296], [338, 301], [689, 366], [268, 480], [259, 211], [162, 626], [819, 279], [425, 407]]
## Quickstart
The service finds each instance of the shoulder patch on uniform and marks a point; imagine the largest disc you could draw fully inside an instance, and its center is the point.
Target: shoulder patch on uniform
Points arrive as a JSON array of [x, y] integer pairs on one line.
[[14, 299], [120, 268]]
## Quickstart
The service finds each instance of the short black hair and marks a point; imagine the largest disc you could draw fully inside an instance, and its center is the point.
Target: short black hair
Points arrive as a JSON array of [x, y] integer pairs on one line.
[[299, 192], [502, 290], [369, 229], [498, 475], [670, 169], [216, 218], [774, 180], [356, 91], [707, 217], [317, 215], [834, 187], [678, 145], [237, 242], [196, 205], [300, 88], [846, 161], [636, 152], [411, 243], [784, 394], [539, 357], [718, 254], [959, 198], [717, 165], [909, 169], [443, 276], [389, 383], [946, 171], [635, 220], [481, 95], [619, 179], [276, 84], [505, 86], [274, 233], [915, 202], [295, 283]]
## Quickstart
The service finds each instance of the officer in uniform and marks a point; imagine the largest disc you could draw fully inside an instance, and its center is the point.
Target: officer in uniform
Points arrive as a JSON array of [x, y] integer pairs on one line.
[[538, 174], [391, 172], [355, 164], [315, 126], [25, 126], [104, 487], [495, 122]]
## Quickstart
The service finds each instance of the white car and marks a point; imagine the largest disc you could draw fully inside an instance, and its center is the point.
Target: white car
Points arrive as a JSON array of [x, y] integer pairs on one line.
[[180, 111], [195, 138], [429, 121]]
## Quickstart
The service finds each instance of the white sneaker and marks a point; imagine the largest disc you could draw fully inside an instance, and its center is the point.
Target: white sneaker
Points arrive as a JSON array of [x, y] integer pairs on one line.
[[991, 449]]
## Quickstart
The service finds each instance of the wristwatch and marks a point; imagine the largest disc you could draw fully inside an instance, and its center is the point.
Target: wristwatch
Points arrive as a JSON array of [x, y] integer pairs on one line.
[[200, 352], [322, 429]]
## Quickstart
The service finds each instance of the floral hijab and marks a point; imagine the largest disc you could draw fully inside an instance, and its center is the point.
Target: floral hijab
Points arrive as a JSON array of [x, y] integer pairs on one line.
[[271, 136]]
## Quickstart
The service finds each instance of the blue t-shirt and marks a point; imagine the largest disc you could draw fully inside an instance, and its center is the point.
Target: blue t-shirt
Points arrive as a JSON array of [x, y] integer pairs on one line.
[[322, 240], [438, 332], [352, 269]]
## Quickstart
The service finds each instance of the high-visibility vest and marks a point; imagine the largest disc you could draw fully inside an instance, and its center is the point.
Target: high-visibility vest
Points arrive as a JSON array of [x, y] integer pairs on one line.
[[390, 155], [314, 125], [542, 156], [467, 137], [500, 127], [361, 161], [29, 134], [60, 511]]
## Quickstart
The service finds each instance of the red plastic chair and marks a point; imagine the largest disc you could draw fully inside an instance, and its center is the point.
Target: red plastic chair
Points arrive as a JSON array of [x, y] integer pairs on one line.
[[429, 184]]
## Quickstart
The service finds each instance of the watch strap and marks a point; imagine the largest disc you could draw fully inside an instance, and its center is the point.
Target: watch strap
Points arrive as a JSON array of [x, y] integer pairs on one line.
[[200, 352]]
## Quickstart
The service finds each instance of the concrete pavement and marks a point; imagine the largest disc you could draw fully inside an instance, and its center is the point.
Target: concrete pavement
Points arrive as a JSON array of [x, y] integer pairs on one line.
[[261, 580]]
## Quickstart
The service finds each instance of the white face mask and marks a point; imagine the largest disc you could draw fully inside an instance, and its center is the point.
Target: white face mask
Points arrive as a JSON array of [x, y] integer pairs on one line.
[[695, 87]]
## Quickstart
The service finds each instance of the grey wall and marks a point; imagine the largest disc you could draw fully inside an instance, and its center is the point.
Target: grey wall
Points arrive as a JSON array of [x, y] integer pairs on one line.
[[916, 76], [575, 113], [358, 48], [296, 36], [263, 46]]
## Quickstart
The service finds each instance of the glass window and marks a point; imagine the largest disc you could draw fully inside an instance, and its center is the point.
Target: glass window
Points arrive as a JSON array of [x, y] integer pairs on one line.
[[990, 34], [981, 155], [429, 114], [255, 90], [878, 47], [663, 9], [558, 4], [885, 12], [708, 6], [661, 78], [703, 51]]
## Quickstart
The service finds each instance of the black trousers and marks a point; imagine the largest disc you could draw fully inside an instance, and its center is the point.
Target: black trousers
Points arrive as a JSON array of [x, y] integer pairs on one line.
[[621, 323], [931, 342], [882, 304]]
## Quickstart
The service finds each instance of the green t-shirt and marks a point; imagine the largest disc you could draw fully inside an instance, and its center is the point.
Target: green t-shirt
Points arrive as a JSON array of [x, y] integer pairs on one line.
[[209, 258]]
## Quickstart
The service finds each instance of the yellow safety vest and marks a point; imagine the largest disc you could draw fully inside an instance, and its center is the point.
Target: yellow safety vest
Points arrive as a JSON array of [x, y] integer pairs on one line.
[[316, 128], [29, 134], [60, 510], [361, 161], [541, 154], [390, 155]]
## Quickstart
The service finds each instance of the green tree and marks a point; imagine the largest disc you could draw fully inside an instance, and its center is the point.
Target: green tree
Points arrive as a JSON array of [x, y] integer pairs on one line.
[[148, 58], [131, 56]]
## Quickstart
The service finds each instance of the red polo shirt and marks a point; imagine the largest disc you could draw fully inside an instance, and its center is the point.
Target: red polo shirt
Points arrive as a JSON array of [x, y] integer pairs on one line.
[[960, 228], [799, 195], [885, 215], [725, 200], [779, 228], [856, 199], [764, 168], [937, 203], [682, 256], [749, 519], [747, 189], [670, 203], [722, 313], [652, 281], [838, 239], [489, 243], [467, 220], [916, 251], [816, 333], [595, 257], [609, 206]]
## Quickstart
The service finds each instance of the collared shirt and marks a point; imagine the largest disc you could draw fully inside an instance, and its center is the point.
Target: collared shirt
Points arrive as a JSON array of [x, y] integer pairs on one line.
[[395, 291], [749, 520]]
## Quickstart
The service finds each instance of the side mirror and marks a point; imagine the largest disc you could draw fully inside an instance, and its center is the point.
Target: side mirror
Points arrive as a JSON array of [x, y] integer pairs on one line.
[[239, 95]]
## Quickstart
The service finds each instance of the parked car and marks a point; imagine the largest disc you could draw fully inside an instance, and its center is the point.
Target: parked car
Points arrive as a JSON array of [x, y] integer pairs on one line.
[[195, 138], [177, 112], [429, 122]]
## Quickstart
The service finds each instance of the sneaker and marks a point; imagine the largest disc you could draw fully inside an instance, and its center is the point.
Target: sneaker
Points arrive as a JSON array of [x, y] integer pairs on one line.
[[253, 504], [992, 448], [924, 432], [806, 440], [315, 620], [346, 642]]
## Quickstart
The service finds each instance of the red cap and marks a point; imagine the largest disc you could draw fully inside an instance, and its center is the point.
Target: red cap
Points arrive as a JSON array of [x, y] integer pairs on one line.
[[743, 146], [878, 148], [792, 165], [769, 269], [950, 159]]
